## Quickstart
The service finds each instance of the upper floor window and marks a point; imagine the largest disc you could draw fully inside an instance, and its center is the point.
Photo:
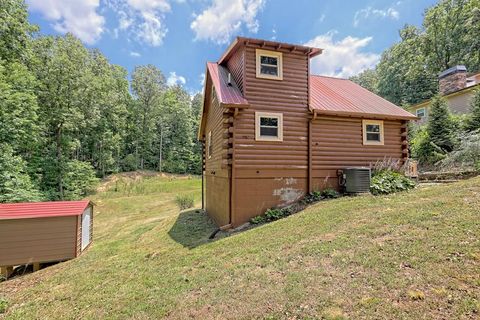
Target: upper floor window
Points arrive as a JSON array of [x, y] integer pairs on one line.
[[420, 112], [269, 64], [268, 126], [373, 132]]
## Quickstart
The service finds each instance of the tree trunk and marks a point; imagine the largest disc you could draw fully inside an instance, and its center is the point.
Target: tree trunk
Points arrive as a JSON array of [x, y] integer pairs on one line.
[[160, 151]]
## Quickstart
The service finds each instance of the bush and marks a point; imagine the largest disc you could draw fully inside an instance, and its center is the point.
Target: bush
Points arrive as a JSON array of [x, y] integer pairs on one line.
[[184, 201], [257, 220], [273, 214], [388, 181], [330, 194], [466, 155]]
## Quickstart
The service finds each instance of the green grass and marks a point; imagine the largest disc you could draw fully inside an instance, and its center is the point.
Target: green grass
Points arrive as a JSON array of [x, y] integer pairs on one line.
[[405, 256]]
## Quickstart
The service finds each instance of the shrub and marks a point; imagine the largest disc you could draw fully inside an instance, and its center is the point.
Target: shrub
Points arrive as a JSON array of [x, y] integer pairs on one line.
[[257, 220], [184, 201], [466, 155], [3, 305], [79, 180], [388, 181], [330, 193], [273, 214], [312, 197]]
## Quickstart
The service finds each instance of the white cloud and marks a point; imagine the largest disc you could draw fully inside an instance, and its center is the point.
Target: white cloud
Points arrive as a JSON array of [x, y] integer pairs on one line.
[[143, 20], [174, 79], [322, 18], [224, 18], [135, 54], [78, 17], [202, 79], [341, 58], [370, 12]]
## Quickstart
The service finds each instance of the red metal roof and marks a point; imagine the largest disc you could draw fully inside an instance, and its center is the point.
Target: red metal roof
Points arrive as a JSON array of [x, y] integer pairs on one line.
[[229, 95], [42, 209], [344, 97]]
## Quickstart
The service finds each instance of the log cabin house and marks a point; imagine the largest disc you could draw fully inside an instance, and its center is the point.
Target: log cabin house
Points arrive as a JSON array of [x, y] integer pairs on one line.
[[272, 132]]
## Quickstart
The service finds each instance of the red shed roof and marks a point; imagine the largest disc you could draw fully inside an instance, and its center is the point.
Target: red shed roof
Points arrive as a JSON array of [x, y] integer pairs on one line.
[[228, 95], [344, 97], [42, 209]]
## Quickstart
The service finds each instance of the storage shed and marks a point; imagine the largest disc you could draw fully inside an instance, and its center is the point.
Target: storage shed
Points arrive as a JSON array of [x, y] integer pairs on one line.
[[40, 232]]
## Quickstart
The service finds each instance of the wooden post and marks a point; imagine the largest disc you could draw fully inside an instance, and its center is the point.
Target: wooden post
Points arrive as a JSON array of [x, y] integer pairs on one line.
[[36, 266], [6, 271]]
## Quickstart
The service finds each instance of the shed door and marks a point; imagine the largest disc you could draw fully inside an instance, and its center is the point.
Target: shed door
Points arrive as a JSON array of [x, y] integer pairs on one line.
[[86, 218]]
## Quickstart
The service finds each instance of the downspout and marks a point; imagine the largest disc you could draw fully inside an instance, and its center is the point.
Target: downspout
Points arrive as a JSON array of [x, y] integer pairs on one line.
[[203, 175], [310, 152]]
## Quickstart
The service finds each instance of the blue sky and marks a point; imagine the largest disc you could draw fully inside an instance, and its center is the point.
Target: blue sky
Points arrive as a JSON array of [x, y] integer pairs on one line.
[[179, 36]]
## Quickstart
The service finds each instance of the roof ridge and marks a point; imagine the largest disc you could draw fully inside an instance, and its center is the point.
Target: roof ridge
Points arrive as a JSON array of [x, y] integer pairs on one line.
[[331, 77]]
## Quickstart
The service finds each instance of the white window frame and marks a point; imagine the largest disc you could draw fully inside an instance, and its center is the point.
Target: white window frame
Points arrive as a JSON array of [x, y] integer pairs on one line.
[[364, 131], [278, 116], [209, 145], [272, 54], [424, 112]]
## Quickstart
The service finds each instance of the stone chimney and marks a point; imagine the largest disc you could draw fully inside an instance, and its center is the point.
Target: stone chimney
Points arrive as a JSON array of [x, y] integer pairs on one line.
[[452, 79]]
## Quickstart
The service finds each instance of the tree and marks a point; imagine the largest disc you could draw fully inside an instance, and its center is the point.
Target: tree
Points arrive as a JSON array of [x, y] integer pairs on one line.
[[473, 122], [61, 67], [15, 30], [367, 79], [148, 87], [451, 32], [15, 183], [440, 126], [18, 108], [403, 77]]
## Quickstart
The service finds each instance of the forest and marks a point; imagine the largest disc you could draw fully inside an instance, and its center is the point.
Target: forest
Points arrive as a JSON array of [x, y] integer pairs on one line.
[[69, 117]]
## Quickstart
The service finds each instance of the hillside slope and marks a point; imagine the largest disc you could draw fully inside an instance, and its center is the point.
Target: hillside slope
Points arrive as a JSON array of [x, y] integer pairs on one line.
[[411, 255]]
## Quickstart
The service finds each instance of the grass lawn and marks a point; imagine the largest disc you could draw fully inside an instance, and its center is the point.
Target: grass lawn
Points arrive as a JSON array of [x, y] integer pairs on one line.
[[414, 255]]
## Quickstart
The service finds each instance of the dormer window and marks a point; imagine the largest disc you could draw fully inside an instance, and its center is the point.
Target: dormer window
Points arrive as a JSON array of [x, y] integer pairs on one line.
[[269, 64]]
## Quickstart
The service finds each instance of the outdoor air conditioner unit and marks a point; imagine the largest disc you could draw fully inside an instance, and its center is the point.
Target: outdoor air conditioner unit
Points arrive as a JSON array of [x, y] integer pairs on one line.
[[357, 180]]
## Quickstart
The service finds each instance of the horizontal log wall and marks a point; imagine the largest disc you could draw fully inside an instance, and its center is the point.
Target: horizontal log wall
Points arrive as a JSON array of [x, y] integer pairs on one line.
[[270, 173], [217, 168], [337, 143]]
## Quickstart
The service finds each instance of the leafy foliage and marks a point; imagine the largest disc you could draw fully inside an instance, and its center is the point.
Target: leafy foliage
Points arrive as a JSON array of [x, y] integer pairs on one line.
[[15, 183], [68, 116], [466, 155], [473, 123], [389, 181]]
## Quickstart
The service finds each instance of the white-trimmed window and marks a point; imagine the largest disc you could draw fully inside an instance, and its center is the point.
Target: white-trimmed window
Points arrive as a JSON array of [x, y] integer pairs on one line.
[[209, 145], [420, 112], [268, 126], [373, 132], [269, 64]]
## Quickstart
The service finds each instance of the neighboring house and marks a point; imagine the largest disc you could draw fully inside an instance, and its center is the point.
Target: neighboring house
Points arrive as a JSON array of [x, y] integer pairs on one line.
[[456, 87], [272, 132]]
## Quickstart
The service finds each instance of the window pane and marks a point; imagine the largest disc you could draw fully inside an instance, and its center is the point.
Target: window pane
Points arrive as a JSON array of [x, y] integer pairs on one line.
[[272, 122], [273, 71], [373, 137], [373, 128], [268, 60], [420, 112], [267, 131]]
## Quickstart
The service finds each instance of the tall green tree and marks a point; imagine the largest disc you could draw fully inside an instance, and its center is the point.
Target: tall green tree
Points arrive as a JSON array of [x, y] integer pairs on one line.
[[403, 77], [61, 67], [440, 126], [15, 30], [148, 87]]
